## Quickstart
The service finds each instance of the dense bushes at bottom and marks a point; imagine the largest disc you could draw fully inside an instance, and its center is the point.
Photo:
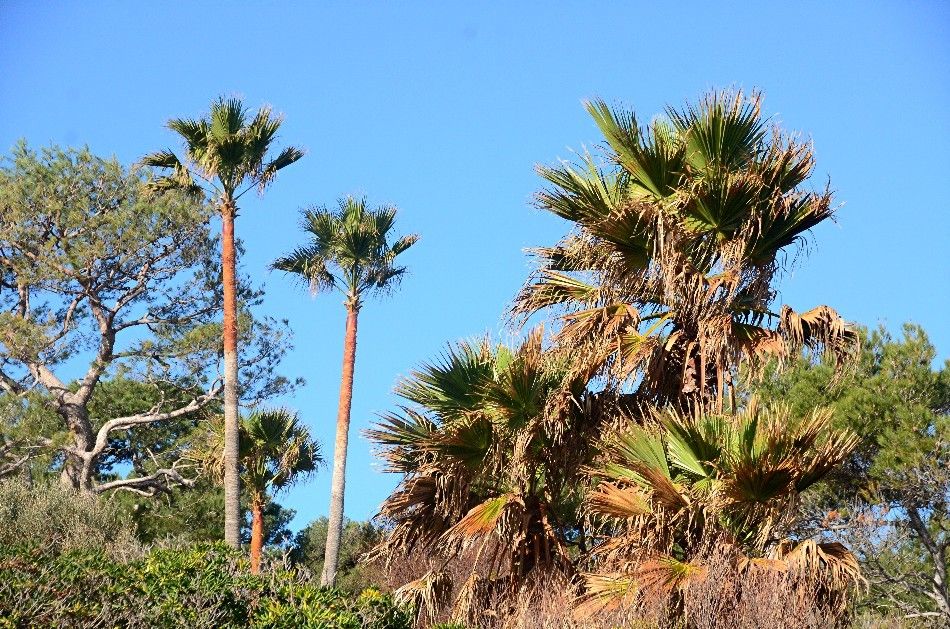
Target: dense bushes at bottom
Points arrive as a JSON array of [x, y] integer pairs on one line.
[[206, 585]]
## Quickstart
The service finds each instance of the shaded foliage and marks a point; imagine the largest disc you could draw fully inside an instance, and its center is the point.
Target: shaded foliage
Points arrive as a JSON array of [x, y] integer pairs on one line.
[[889, 500], [200, 586]]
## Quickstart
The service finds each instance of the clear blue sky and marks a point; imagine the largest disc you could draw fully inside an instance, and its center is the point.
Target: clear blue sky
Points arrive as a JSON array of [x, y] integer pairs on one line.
[[444, 108]]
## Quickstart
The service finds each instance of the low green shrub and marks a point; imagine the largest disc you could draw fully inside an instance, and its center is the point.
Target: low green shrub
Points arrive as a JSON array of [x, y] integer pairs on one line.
[[206, 585]]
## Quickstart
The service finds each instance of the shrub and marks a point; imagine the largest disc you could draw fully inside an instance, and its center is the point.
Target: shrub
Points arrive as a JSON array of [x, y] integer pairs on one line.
[[59, 519], [206, 585]]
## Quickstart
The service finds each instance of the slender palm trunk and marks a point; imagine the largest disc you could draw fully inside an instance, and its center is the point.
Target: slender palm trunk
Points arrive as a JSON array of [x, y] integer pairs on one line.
[[232, 482], [257, 535], [335, 528]]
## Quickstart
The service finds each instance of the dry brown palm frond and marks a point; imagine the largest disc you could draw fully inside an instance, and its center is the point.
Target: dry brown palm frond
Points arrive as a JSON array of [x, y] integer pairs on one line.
[[425, 595], [822, 329], [762, 563], [604, 321], [605, 591], [612, 500], [828, 562], [481, 519], [664, 574], [472, 602]]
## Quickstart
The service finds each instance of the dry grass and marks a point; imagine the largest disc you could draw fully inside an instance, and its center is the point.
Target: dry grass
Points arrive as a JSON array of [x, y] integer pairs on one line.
[[757, 598], [58, 518]]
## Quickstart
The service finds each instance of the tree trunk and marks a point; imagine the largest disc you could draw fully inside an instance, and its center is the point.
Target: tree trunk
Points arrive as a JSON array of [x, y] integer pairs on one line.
[[232, 481], [335, 526], [257, 535], [77, 472]]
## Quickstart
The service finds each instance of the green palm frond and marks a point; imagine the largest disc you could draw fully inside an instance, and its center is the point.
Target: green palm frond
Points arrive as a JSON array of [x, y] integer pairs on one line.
[[307, 264], [453, 384], [583, 193], [227, 118], [269, 170], [224, 151], [403, 439], [553, 288], [653, 161], [725, 131], [349, 249]]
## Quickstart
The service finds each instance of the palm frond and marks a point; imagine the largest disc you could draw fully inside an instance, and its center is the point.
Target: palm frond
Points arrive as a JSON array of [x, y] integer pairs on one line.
[[615, 501]]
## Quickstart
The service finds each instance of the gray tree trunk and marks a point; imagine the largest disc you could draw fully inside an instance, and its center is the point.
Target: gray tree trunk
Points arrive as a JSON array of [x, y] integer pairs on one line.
[[335, 526], [232, 481]]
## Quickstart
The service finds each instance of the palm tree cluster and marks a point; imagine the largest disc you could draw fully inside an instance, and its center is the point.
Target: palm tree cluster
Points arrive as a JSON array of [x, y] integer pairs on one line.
[[226, 156], [621, 449], [488, 473], [672, 487]]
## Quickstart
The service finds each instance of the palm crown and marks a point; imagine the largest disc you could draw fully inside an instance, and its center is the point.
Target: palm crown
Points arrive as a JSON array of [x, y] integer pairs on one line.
[[491, 447], [223, 152], [349, 250], [276, 450], [681, 484], [668, 279]]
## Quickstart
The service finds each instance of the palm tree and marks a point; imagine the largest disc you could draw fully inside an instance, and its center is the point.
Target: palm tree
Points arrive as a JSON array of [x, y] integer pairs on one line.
[[276, 451], [670, 489], [668, 280], [491, 446], [350, 251], [226, 155]]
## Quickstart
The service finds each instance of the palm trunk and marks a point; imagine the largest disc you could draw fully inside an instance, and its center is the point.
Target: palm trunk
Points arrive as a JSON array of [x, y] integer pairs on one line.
[[257, 535], [335, 528], [232, 482]]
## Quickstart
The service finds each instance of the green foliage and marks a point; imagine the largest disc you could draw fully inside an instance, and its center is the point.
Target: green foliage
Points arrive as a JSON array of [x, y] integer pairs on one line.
[[890, 499], [349, 250], [182, 516], [206, 585], [100, 278], [357, 538]]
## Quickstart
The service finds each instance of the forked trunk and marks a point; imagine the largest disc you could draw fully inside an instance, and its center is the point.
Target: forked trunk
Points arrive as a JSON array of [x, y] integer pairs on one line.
[[232, 482], [335, 528], [257, 535]]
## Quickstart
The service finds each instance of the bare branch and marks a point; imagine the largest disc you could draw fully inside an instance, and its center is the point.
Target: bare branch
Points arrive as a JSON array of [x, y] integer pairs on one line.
[[152, 416], [161, 480]]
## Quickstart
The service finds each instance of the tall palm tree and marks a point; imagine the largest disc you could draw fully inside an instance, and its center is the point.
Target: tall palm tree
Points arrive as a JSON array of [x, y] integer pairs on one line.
[[276, 451], [350, 251], [668, 280], [226, 155]]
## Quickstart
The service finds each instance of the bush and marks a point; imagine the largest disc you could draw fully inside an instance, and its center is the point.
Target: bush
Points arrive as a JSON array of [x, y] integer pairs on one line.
[[59, 519], [206, 585]]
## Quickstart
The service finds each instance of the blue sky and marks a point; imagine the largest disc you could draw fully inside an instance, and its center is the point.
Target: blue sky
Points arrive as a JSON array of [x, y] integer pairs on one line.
[[443, 109]]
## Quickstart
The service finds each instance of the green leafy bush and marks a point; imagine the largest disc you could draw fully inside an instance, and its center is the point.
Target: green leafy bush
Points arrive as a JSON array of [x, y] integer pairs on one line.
[[206, 585]]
